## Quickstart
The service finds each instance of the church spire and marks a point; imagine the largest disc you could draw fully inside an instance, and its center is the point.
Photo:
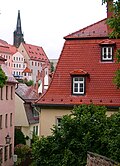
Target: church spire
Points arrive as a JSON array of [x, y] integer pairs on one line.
[[18, 36], [18, 26]]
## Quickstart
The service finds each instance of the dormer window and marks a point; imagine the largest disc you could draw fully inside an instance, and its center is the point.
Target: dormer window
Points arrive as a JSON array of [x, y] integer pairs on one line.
[[79, 85], [79, 81], [107, 53], [107, 50]]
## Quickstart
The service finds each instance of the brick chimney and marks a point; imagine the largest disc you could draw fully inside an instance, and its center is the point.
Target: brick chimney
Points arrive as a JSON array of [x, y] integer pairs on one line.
[[109, 13], [109, 9]]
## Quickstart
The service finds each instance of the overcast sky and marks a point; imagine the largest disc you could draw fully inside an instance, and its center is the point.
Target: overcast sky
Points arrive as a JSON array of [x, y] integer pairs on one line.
[[46, 22]]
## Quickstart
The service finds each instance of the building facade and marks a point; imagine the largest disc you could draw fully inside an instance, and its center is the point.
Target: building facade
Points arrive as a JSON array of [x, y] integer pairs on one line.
[[7, 112], [84, 75]]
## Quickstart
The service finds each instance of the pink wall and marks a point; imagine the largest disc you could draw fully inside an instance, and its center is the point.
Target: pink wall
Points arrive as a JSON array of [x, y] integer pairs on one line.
[[7, 106]]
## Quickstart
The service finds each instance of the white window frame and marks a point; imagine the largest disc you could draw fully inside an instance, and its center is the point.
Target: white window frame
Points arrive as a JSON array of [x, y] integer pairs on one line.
[[107, 51], [58, 122], [80, 82]]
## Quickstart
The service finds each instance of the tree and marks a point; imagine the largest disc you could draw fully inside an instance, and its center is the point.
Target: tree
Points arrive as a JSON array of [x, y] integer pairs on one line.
[[86, 129], [19, 137], [3, 78], [23, 153], [52, 67], [114, 24]]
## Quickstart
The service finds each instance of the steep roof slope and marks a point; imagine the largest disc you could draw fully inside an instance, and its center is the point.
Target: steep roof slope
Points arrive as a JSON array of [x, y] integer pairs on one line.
[[82, 54], [35, 52]]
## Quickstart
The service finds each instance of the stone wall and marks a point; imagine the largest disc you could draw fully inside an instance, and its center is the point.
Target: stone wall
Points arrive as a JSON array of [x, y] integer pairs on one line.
[[98, 160]]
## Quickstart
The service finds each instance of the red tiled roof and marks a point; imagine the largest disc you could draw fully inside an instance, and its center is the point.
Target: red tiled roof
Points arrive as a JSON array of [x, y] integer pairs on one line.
[[107, 41], [35, 52], [27, 70], [13, 49], [5, 49], [85, 54], [2, 42], [98, 29], [78, 72]]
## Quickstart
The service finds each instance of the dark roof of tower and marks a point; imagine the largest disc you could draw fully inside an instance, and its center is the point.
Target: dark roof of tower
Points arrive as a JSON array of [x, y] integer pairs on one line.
[[18, 26]]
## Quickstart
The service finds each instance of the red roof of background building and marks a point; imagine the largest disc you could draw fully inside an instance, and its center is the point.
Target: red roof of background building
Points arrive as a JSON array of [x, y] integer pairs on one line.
[[5, 49], [84, 54], [27, 70], [35, 52]]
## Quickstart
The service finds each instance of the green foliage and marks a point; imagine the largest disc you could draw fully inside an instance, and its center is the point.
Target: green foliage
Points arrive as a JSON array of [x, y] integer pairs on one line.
[[3, 78], [116, 79], [114, 24], [113, 137], [52, 67], [118, 56], [29, 83], [86, 129], [23, 152], [19, 137]]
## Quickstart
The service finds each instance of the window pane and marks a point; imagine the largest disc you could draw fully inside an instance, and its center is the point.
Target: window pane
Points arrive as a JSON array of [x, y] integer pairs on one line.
[[81, 78], [78, 85], [76, 78]]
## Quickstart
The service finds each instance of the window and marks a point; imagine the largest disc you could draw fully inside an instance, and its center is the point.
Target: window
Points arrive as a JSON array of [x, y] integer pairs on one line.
[[35, 113], [79, 85], [14, 64], [35, 130], [32, 63], [6, 153], [107, 53], [14, 58], [0, 121], [11, 92], [6, 92], [10, 150], [6, 121], [58, 122], [1, 93], [1, 154], [10, 119]]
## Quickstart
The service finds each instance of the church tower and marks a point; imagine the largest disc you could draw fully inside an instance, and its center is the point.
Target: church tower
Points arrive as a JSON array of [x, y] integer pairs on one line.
[[18, 36]]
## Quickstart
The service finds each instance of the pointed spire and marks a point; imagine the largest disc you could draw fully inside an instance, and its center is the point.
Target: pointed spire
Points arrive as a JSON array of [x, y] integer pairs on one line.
[[18, 26], [18, 36]]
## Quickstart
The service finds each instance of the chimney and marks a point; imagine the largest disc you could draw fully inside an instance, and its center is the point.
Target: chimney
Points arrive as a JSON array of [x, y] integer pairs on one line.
[[109, 13], [109, 8]]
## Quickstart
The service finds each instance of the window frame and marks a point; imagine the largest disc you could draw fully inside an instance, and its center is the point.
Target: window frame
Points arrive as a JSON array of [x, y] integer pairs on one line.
[[1, 121], [6, 92], [107, 47], [1, 93], [58, 124], [6, 153], [6, 120], [79, 82], [11, 119]]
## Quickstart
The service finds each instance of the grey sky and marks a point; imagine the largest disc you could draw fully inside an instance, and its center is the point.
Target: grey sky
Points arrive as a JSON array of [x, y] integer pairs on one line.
[[46, 22]]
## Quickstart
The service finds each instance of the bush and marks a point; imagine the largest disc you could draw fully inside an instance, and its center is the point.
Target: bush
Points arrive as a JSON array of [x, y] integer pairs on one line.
[[23, 152], [19, 137]]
